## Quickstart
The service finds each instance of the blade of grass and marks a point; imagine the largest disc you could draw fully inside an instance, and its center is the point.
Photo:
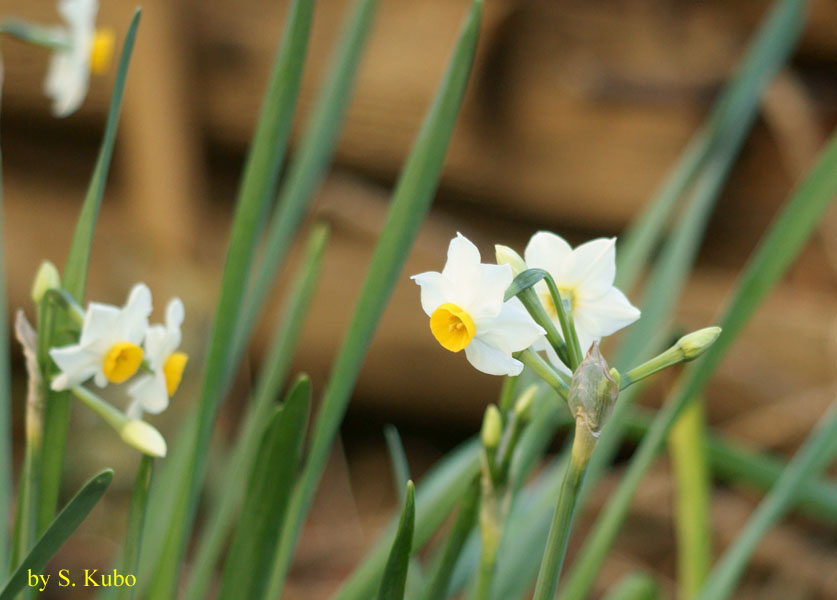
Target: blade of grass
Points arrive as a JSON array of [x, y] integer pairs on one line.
[[5, 399], [789, 231], [398, 458], [689, 463], [257, 185], [266, 503], [442, 570], [58, 532], [814, 456], [268, 387], [635, 586], [74, 281], [136, 519], [395, 573], [410, 203], [731, 463], [765, 55], [309, 163], [438, 494]]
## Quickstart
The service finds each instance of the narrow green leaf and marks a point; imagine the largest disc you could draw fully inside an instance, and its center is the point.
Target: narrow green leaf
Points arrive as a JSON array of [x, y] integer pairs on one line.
[[731, 117], [5, 408], [310, 161], [74, 281], [268, 492], [814, 456], [136, 519], [689, 463], [395, 573], [720, 141], [523, 281], [398, 459], [740, 466], [438, 494], [635, 586], [268, 387], [466, 518], [58, 532], [257, 186], [778, 248], [410, 203]]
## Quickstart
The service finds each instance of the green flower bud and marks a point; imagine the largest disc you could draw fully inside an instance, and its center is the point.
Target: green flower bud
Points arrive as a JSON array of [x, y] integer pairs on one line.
[[507, 256], [143, 437], [694, 344], [524, 403], [46, 279], [593, 391], [492, 428]]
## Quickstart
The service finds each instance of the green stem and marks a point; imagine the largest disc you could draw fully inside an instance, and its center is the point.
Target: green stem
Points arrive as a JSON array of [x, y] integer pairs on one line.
[[565, 318], [136, 519], [534, 307], [559, 532], [37, 35], [492, 516], [812, 458], [544, 370], [687, 448]]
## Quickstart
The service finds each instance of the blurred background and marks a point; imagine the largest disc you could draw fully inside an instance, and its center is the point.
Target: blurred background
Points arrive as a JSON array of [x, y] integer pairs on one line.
[[574, 114]]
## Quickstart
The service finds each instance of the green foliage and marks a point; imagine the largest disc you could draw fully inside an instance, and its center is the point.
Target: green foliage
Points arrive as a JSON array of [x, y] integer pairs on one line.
[[58, 532], [395, 573], [265, 505], [74, 281], [257, 185]]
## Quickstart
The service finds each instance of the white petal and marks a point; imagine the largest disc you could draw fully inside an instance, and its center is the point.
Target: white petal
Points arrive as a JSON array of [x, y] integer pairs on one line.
[[485, 298], [490, 359], [514, 325], [133, 318], [156, 346], [175, 313], [549, 252], [436, 289], [149, 392], [605, 314], [463, 259], [100, 320], [592, 267], [77, 365]]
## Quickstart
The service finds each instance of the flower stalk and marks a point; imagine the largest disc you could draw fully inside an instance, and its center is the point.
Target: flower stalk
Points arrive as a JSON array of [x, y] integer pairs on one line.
[[686, 349]]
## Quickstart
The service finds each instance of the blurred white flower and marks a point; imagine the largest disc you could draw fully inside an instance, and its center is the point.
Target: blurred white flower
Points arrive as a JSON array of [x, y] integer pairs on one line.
[[109, 346], [584, 276], [467, 312], [151, 392], [85, 50]]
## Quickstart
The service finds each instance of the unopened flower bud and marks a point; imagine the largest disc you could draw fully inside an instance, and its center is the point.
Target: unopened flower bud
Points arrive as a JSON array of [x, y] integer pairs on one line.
[[593, 391], [143, 437], [507, 256], [524, 403], [492, 428], [46, 279], [696, 343]]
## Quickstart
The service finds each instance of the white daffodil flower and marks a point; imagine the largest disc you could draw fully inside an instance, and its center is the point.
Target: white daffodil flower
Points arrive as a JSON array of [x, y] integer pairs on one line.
[[467, 312], [84, 50], [109, 347], [583, 275], [151, 392]]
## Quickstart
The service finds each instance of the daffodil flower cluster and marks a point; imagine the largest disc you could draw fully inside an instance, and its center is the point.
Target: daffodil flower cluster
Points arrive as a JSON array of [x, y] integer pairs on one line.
[[117, 343], [468, 310], [114, 345]]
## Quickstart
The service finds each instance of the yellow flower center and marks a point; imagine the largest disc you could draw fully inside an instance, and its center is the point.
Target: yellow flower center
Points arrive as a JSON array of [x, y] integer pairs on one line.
[[173, 370], [121, 362], [452, 327], [566, 293], [101, 51]]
